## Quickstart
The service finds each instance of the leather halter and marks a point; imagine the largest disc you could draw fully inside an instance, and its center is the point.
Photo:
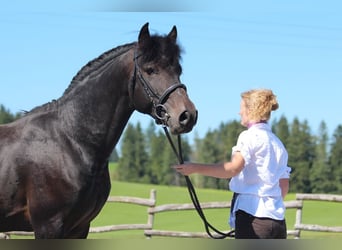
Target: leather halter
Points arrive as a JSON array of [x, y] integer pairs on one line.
[[160, 110]]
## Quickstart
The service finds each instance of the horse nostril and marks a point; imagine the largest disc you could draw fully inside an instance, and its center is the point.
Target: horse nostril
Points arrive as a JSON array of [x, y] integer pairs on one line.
[[184, 118]]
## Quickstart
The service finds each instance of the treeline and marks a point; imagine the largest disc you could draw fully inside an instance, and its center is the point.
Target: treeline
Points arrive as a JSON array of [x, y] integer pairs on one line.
[[315, 159], [6, 116], [146, 156]]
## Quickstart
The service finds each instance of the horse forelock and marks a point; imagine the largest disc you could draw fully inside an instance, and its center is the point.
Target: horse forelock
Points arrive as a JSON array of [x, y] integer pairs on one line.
[[162, 51]]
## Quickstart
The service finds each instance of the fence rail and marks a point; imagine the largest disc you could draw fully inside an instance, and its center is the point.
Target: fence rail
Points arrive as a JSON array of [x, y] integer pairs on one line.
[[205, 205], [318, 228], [152, 210]]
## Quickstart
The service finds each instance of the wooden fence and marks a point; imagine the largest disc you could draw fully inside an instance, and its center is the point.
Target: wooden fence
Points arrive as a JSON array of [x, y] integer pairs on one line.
[[318, 228], [152, 210]]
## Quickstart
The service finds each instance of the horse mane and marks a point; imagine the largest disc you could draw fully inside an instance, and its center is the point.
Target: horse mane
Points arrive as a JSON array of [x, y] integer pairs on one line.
[[97, 63], [90, 67], [158, 49]]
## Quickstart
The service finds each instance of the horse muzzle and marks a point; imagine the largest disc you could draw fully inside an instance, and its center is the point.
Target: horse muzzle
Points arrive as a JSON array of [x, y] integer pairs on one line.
[[178, 122]]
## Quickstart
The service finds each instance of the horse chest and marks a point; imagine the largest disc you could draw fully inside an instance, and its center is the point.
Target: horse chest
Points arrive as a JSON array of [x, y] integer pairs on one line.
[[93, 195]]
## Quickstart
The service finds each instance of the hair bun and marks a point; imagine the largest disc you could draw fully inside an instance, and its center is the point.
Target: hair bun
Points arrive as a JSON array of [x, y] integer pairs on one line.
[[275, 106]]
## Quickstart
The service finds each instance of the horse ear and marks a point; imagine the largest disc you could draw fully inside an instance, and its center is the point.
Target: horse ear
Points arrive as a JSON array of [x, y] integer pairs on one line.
[[173, 34], [144, 34]]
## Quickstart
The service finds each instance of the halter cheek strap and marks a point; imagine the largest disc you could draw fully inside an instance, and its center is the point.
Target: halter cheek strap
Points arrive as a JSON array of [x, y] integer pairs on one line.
[[160, 110]]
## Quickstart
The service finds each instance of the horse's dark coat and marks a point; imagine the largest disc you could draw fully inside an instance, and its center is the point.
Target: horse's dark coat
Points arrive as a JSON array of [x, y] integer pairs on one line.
[[54, 160]]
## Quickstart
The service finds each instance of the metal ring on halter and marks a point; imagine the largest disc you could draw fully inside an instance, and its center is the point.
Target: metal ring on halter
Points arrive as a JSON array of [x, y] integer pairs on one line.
[[161, 113]]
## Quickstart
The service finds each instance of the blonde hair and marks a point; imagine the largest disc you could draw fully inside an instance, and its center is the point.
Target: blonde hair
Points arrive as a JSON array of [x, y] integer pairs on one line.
[[260, 103]]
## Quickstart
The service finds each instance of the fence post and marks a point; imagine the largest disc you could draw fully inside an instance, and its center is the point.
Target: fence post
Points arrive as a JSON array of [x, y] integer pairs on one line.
[[298, 219], [150, 216]]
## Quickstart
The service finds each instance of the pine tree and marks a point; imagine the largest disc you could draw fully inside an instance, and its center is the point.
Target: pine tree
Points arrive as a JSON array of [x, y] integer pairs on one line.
[[228, 135], [214, 148], [301, 150], [162, 157], [156, 161], [321, 175], [114, 156], [132, 164], [335, 160], [281, 129], [316, 167], [5, 115], [209, 153], [149, 133], [186, 153]]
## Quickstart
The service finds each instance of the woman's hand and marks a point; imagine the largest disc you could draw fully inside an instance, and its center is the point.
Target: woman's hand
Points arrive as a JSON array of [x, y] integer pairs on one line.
[[184, 169]]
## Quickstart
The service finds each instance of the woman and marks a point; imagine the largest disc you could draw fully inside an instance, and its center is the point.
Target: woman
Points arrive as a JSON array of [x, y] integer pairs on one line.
[[258, 171]]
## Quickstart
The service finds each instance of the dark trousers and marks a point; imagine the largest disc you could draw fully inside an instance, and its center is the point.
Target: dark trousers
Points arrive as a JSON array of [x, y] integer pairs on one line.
[[250, 227]]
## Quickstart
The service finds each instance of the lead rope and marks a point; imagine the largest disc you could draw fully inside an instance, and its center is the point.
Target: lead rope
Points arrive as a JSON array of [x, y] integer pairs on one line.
[[192, 192]]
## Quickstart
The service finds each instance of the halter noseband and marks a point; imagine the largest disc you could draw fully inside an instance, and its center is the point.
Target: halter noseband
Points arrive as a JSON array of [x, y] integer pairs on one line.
[[160, 110]]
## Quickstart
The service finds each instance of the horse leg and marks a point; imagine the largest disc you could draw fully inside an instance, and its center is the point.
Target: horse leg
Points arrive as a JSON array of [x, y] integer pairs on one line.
[[54, 228], [80, 232], [51, 228]]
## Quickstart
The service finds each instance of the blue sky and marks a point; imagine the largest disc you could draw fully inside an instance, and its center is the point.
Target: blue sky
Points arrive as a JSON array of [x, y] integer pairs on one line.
[[293, 48]]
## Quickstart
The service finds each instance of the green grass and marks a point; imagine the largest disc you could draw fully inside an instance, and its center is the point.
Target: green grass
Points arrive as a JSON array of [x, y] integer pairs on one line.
[[314, 212], [186, 221]]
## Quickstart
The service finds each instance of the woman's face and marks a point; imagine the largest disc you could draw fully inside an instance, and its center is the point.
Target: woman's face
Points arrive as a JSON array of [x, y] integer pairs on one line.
[[243, 113]]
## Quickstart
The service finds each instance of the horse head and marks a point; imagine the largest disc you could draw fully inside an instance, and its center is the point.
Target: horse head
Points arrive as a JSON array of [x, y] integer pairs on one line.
[[157, 89]]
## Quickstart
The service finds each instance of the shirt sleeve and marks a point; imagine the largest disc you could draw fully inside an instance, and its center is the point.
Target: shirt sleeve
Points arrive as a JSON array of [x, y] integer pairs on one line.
[[286, 173], [242, 147]]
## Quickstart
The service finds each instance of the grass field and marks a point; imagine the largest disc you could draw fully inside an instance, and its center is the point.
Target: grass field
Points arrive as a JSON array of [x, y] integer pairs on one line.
[[314, 212]]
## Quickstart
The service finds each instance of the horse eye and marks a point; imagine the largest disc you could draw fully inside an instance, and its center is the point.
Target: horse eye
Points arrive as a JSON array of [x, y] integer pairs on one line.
[[149, 70]]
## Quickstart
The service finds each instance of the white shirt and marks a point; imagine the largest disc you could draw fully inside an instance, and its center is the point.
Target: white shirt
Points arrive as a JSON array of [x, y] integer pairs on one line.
[[258, 183]]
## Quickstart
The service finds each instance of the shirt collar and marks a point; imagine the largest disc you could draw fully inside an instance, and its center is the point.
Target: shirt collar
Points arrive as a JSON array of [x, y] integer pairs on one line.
[[251, 124]]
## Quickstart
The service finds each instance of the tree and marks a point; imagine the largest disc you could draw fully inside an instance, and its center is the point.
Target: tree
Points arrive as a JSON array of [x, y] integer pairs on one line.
[[301, 150], [229, 134], [6, 116], [114, 156], [150, 133], [186, 152], [216, 147], [281, 129], [146, 156], [162, 157], [156, 161], [209, 152], [335, 160], [132, 163], [321, 174]]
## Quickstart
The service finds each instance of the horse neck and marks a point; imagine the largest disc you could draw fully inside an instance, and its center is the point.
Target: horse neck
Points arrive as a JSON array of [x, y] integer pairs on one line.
[[96, 111]]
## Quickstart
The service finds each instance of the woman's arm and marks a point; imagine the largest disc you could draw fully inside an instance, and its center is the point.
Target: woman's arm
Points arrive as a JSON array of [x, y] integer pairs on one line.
[[284, 186], [219, 170]]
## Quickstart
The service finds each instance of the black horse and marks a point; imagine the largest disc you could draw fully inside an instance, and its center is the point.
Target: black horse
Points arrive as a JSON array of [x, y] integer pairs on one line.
[[54, 176]]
